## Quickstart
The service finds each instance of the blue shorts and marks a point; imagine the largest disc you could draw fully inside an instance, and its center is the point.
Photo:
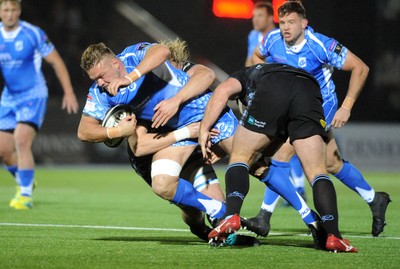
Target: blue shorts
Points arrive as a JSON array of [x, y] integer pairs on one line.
[[29, 111], [226, 124]]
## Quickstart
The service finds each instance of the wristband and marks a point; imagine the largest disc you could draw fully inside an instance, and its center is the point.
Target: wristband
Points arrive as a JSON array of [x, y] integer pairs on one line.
[[129, 79], [348, 102], [137, 73], [182, 134], [113, 132]]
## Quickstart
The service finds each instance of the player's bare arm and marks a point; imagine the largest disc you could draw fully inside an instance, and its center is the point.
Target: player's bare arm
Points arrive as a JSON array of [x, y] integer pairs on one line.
[[215, 106], [359, 73], [90, 129], [257, 57], [155, 56], [201, 78], [69, 102]]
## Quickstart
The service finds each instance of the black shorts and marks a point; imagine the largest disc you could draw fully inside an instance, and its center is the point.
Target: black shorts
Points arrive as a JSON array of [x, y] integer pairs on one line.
[[286, 105]]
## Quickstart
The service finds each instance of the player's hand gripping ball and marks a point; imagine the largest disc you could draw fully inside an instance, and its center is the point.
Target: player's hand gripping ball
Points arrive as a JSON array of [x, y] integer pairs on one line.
[[112, 118]]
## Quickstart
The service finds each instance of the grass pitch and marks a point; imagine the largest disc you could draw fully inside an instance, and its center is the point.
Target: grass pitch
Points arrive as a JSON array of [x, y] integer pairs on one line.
[[109, 218]]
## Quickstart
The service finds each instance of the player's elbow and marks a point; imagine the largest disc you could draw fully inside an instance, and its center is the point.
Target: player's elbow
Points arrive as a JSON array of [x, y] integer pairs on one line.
[[209, 75], [164, 52], [82, 136], [365, 70]]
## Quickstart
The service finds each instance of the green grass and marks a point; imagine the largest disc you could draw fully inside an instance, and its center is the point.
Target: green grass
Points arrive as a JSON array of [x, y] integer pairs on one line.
[[109, 218]]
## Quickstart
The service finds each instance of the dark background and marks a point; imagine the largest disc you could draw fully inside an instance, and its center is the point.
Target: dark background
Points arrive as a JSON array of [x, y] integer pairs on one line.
[[368, 28]]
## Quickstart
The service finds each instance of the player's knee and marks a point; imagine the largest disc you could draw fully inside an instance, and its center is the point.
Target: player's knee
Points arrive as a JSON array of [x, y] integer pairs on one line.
[[334, 164], [162, 189], [22, 144], [5, 154], [165, 175]]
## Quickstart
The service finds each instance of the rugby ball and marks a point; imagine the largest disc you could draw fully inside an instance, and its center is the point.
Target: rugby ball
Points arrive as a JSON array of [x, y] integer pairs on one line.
[[112, 118]]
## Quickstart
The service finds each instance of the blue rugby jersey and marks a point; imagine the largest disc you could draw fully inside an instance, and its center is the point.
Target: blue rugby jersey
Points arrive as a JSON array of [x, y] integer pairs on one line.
[[21, 52], [317, 54], [253, 39], [147, 91]]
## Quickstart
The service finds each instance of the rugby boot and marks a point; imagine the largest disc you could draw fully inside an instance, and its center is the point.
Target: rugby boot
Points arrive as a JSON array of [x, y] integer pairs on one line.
[[378, 207], [260, 224], [14, 200], [23, 203], [335, 244], [225, 227], [319, 234], [241, 240]]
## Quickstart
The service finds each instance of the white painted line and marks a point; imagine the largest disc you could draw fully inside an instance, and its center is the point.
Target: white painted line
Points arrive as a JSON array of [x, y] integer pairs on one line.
[[166, 229]]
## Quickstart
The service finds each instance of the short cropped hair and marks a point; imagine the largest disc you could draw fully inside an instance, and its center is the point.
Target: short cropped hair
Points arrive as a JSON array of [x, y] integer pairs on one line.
[[94, 54], [292, 7], [267, 6]]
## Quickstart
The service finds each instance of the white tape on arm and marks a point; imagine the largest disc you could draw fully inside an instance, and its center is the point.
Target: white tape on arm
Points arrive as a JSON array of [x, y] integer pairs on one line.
[[182, 134]]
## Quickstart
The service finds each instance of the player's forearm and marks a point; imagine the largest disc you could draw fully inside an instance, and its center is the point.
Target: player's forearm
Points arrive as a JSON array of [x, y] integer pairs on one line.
[[151, 143], [198, 83], [61, 72], [356, 84], [257, 57], [155, 56], [92, 133], [214, 108], [248, 62]]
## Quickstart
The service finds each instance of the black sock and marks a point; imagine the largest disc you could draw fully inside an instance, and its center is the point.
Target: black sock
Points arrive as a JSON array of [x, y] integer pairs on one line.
[[237, 187], [325, 203]]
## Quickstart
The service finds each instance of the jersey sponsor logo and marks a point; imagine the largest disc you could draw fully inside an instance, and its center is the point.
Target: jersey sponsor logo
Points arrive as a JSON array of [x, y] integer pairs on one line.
[[90, 106], [323, 123], [338, 48], [252, 121], [279, 59], [302, 62], [19, 45], [332, 46]]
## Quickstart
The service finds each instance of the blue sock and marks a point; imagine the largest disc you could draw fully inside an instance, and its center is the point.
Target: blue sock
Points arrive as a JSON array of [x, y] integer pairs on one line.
[[187, 195], [296, 173], [279, 182], [271, 197], [25, 178], [353, 179], [12, 169]]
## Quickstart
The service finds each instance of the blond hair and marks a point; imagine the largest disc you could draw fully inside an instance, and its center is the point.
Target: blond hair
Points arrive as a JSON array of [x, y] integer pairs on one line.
[[18, 2], [179, 50], [94, 54]]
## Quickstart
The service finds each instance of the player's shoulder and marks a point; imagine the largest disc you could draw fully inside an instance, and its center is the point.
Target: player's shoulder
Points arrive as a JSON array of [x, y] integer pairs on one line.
[[253, 34], [317, 40], [134, 51], [272, 37], [29, 27]]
